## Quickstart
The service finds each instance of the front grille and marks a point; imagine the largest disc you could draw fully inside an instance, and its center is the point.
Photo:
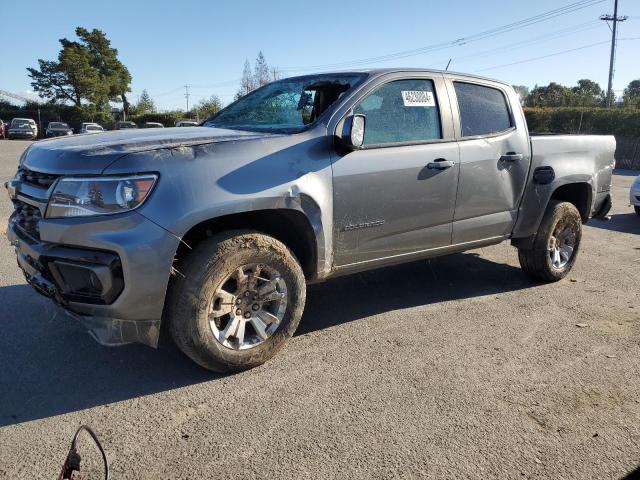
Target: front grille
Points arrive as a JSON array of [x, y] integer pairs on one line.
[[37, 178], [27, 219]]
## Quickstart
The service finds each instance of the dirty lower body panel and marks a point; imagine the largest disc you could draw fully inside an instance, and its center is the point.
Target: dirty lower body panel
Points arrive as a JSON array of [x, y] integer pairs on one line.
[[111, 275], [113, 332]]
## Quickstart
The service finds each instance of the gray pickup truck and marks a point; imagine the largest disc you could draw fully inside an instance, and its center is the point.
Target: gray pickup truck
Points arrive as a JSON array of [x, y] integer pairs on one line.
[[213, 232]]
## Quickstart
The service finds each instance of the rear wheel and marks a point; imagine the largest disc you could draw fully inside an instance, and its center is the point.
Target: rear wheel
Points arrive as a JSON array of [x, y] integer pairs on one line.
[[556, 244], [239, 298]]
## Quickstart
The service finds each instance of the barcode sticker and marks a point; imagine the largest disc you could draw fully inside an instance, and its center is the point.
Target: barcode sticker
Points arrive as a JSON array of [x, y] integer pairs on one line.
[[418, 98]]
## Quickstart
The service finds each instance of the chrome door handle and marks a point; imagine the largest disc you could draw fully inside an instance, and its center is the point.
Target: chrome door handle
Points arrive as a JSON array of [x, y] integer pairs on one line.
[[440, 164]]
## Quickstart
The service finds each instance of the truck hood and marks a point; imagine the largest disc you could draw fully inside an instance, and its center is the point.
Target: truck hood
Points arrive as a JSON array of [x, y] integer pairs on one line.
[[91, 154]]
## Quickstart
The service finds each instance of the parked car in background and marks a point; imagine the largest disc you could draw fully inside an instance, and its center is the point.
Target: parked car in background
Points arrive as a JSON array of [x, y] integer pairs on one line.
[[634, 195], [90, 127], [153, 125], [22, 128], [3, 128], [123, 125], [368, 169], [57, 129], [187, 123]]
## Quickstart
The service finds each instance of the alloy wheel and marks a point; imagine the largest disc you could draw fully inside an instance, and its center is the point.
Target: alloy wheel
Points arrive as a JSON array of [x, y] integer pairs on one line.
[[248, 306]]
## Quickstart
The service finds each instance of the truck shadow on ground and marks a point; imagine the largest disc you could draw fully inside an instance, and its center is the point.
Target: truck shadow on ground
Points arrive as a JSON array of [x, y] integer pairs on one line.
[[620, 222], [452, 277], [50, 366]]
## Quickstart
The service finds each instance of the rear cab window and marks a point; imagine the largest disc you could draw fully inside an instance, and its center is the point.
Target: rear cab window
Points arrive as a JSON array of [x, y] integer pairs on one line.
[[483, 110], [401, 111]]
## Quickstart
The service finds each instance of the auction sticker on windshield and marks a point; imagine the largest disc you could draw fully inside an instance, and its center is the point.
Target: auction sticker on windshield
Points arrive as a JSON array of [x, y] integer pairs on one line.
[[418, 98]]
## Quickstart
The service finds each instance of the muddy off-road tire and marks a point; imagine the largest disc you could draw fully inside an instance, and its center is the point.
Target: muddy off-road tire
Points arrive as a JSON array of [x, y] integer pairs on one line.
[[556, 245], [238, 298]]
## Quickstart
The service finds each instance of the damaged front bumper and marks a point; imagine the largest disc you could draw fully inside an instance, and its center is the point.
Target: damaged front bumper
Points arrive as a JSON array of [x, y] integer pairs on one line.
[[109, 273]]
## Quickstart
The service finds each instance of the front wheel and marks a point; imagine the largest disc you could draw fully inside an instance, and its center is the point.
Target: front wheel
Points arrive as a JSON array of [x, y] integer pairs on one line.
[[637, 209], [237, 300], [556, 244]]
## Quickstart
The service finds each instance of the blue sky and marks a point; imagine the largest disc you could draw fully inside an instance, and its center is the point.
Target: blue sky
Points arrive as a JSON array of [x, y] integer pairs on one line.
[[167, 44]]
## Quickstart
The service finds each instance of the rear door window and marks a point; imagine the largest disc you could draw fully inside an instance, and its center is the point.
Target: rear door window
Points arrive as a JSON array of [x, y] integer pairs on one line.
[[483, 110], [403, 111]]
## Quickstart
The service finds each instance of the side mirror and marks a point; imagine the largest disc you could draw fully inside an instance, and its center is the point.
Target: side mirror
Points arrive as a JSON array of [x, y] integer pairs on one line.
[[353, 136]]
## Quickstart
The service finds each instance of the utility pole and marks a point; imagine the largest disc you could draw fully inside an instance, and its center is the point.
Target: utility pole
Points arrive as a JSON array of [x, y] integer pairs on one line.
[[615, 19], [186, 94]]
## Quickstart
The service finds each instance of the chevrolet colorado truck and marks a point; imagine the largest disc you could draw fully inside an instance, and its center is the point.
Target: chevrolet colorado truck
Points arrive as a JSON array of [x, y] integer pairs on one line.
[[213, 231]]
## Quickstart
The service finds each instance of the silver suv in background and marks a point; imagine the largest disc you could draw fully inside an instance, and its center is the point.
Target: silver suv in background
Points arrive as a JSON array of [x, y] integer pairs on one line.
[[213, 232], [24, 128]]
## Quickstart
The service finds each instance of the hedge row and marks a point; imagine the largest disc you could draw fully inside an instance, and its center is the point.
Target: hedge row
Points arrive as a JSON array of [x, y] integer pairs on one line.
[[619, 122]]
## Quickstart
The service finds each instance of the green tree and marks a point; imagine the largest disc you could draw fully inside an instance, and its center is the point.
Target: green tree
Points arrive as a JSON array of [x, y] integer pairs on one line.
[[553, 95], [587, 94], [86, 70], [145, 104], [207, 107], [631, 94], [105, 60], [51, 81]]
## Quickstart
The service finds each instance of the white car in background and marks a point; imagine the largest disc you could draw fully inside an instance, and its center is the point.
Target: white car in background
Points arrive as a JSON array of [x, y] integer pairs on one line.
[[187, 123], [634, 195], [89, 127]]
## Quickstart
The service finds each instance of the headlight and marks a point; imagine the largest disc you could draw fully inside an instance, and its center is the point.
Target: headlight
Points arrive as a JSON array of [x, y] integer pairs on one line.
[[84, 197]]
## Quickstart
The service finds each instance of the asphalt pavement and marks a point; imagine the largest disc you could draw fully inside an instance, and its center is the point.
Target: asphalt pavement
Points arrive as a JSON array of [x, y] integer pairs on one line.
[[460, 367]]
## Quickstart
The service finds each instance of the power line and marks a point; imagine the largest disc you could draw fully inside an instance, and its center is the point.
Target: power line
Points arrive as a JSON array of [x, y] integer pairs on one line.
[[219, 84], [615, 19], [15, 96], [570, 8], [531, 41], [164, 94], [552, 54]]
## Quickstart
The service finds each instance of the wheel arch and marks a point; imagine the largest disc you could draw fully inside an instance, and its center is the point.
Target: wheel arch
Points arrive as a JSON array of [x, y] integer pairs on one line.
[[291, 226], [578, 192]]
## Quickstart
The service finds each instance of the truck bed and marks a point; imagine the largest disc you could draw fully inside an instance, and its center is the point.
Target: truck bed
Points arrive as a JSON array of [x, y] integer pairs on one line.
[[586, 160], [587, 154]]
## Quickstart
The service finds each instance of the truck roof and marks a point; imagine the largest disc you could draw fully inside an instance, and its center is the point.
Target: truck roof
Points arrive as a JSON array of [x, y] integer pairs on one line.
[[383, 71]]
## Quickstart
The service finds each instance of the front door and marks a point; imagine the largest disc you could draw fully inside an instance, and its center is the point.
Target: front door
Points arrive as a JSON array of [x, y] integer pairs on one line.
[[397, 195]]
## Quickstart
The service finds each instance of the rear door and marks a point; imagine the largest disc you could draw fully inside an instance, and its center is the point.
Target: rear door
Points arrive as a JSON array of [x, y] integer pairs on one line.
[[494, 158], [392, 198]]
